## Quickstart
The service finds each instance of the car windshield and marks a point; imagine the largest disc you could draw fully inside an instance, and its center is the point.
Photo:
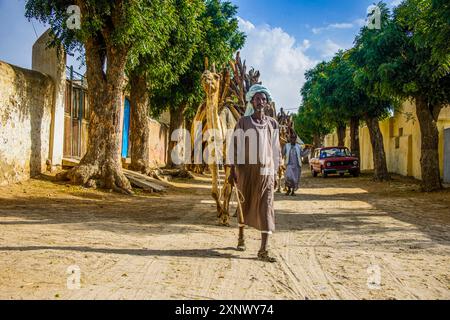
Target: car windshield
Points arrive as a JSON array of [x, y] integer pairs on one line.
[[335, 152]]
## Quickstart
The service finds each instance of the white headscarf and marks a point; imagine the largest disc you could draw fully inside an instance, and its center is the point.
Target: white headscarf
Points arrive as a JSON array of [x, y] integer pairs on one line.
[[257, 88]]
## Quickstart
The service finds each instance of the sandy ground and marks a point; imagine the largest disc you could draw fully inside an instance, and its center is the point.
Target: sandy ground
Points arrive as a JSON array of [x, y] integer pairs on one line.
[[338, 238]]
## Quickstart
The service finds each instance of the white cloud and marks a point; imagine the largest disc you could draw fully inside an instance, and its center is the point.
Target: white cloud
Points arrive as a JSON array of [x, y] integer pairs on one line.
[[329, 48], [344, 25], [317, 30], [281, 60], [360, 22], [341, 25], [395, 3]]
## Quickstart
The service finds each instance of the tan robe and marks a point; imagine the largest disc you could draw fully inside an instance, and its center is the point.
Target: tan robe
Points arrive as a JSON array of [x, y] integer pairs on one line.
[[256, 181]]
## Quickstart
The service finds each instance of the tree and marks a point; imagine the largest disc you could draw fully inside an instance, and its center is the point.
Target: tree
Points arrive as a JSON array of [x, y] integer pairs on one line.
[[221, 38], [430, 22], [158, 69], [310, 122], [407, 60], [339, 97], [331, 97], [109, 30], [309, 126], [354, 103]]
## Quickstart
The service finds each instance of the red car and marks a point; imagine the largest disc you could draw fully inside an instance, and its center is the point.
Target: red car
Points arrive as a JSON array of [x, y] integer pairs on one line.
[[334, 160]]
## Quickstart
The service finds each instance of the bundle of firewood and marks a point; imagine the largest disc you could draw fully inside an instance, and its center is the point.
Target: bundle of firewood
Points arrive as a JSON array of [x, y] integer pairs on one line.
[[235, 82]]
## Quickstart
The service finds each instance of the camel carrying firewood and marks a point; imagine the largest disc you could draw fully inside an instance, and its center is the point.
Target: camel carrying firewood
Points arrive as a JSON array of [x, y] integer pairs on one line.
[[224, 105]]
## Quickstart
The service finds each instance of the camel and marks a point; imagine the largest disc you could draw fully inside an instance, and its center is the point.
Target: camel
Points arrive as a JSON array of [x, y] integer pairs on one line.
[[215, 143]]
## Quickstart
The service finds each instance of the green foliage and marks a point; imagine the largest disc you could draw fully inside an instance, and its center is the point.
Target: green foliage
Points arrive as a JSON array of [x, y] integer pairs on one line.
[[309, 122], [220, 39], [167, 40], [396, 61], [331, 97], [121, 23], [163, 65], [429, 20], [310, 119]]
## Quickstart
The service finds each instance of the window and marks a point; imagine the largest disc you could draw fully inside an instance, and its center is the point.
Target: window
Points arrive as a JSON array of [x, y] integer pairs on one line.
[[335, 152], [397, 139], [397, 142]]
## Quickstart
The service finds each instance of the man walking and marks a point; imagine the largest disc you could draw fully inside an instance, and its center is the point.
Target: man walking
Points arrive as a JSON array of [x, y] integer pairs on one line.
[[293, 154], [256, 180]]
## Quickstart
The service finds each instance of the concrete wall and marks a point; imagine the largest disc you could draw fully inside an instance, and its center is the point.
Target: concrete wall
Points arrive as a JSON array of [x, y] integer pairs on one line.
[[401, 136], [159, 142], [26, 102], [52, 61]]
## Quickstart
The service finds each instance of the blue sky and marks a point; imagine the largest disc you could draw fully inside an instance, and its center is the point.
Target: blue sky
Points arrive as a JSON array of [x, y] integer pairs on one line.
[[285, 38], [17, 35], [317, 21]]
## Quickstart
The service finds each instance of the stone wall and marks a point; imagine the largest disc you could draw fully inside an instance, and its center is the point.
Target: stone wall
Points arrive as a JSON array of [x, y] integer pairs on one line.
[[26, 102], [52, 62]]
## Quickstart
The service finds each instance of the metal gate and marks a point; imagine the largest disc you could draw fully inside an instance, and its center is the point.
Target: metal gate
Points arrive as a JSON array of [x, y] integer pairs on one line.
[[76, 116]]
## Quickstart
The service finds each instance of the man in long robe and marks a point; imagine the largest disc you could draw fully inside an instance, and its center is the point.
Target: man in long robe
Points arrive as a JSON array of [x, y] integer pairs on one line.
[[254, 172], [293, 154]]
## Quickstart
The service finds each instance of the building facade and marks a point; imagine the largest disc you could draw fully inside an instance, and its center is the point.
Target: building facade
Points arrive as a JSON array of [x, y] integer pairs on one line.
[[402, 143]]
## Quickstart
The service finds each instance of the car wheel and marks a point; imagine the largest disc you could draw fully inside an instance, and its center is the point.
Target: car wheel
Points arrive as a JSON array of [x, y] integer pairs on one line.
[[342, 174], [356, 174]]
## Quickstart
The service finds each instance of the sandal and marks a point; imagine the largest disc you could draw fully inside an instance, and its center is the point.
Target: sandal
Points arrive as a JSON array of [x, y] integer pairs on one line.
[[264, 256], [241, 245]]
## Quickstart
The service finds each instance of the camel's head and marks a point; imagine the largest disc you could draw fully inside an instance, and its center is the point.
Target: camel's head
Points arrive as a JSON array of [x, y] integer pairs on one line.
[[210, 82]]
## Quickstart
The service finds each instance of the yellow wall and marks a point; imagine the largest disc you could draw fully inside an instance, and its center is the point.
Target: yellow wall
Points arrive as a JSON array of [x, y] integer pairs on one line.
[[402, 150]]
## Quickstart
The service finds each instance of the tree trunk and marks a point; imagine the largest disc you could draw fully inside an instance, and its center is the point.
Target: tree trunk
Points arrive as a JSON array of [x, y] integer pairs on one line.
[[101, 165], [341, 131], [429, 159], [317, 141], [140, 131], [176, 122], [354, 136], [189, 166], [379, 156]]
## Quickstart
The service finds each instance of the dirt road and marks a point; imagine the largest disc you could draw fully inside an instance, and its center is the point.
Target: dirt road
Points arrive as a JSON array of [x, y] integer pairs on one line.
[[338, 238]]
